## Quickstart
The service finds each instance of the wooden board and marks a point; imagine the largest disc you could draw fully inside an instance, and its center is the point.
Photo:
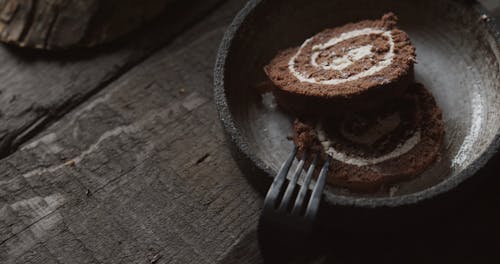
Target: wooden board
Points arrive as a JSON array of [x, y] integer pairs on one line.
[[36, 87], [57, 24], [140, 173]]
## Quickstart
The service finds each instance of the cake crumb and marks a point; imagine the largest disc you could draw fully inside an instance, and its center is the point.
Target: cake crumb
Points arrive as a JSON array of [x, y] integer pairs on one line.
[[393, 190], [484, 17]]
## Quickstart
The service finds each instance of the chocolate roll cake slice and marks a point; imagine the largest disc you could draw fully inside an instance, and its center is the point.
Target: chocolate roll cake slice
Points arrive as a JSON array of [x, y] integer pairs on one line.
[[358, 65], [370, 149]]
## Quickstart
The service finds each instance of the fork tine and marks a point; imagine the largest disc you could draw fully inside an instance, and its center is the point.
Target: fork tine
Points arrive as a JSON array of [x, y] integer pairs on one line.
[[274, 190], [303, 189], [313, 205], [291, 185]]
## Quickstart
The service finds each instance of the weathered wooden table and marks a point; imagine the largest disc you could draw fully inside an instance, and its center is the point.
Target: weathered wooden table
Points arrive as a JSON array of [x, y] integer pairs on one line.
[[116, 155]]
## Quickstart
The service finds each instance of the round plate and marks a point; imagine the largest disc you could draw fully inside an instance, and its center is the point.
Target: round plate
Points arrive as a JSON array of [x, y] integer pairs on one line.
[[458, 54]]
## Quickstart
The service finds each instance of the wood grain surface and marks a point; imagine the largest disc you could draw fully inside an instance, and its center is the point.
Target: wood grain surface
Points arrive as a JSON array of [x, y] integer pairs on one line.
[[37, 87], [62, 24], [139, 173], [117, 156]]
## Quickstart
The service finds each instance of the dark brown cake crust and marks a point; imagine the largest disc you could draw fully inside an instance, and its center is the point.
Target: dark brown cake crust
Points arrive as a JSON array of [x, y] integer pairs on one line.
[[336, 83], [418, 112]]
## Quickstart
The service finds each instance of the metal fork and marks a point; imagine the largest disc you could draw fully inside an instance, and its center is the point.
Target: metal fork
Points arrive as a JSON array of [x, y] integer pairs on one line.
[[283, 227]]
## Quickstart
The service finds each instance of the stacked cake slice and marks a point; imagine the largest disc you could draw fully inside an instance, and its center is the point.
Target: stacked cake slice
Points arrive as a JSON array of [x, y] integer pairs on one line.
[[352, 90]]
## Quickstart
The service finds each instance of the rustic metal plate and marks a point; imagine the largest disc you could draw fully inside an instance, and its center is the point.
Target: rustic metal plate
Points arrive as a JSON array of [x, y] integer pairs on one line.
[[458, 54]]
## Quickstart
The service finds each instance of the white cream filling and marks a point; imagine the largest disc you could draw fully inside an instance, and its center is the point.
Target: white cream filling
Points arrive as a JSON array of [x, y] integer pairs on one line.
[[359, 161], [346, 60], [374, 133], [342, 62]]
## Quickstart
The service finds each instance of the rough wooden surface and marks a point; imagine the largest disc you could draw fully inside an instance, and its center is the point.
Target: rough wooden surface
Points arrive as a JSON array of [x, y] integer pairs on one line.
[[37, 88], [126, 163], [140, 173], [62, 24]]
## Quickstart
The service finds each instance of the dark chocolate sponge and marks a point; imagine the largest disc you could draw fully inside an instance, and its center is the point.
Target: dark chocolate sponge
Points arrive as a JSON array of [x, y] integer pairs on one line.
[[370, 149], [358, 65]]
